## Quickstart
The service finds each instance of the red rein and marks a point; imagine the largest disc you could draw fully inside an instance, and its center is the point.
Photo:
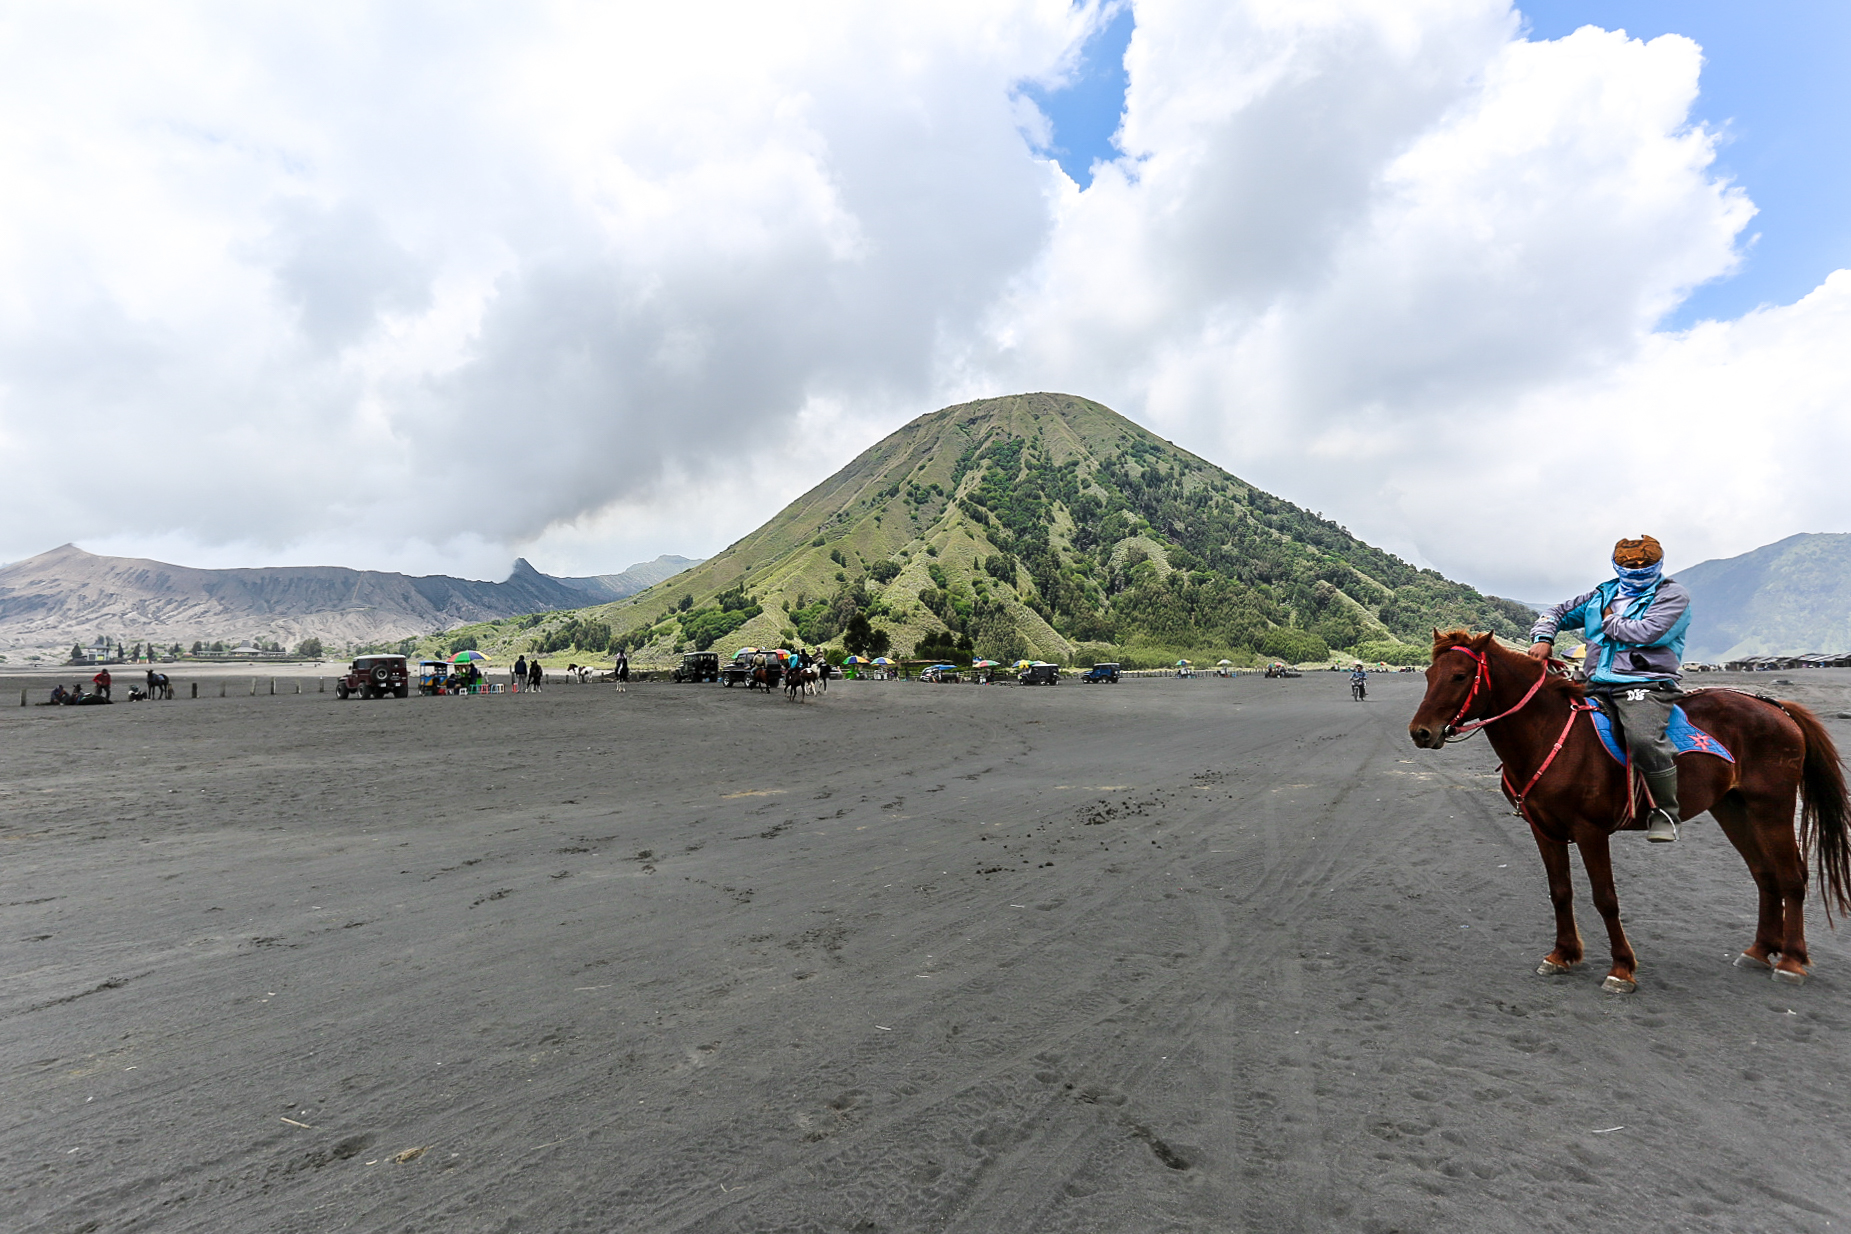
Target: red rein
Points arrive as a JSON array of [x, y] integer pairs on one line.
[[1483, 677]]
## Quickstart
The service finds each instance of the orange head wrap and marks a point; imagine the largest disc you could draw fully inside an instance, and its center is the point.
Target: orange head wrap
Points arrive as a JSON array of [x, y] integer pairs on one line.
[[1637, 554]]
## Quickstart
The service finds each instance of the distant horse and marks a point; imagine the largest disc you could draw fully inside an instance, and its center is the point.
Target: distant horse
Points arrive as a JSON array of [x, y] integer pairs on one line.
[[159, 686], [1564, 784], [797, 681]]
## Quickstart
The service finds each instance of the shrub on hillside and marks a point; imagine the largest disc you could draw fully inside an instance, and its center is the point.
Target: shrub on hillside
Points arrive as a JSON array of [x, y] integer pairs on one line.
[[1292, 645], [1397, 653]]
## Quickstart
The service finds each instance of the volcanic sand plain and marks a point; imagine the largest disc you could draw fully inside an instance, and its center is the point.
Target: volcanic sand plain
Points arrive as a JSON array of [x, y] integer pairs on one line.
[[1168, 955]]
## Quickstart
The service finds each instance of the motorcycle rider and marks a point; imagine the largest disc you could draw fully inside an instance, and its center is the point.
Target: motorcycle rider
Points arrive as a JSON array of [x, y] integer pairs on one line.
[[1634, 624]]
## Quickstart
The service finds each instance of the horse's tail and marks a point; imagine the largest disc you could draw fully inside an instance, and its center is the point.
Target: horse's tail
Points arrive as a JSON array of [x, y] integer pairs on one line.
[[1825, 811]]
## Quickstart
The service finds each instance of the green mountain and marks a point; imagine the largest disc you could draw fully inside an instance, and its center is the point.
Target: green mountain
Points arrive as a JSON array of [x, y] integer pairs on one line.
[[1785, 598], [1038, 525]]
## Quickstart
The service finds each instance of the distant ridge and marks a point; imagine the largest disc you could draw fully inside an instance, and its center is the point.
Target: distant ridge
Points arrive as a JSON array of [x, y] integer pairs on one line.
[[603, 588], [1785, 598], [67, 595]]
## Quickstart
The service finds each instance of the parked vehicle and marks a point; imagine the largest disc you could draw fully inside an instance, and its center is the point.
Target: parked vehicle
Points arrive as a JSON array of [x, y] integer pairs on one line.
[[1040, 675], [433, 676], [1102, 672], [940, 674], [376, 677], [739, 669], [698, 666]]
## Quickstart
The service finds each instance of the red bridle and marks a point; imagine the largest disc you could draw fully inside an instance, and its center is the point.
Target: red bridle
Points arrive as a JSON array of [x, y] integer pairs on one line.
[[1482, 677]]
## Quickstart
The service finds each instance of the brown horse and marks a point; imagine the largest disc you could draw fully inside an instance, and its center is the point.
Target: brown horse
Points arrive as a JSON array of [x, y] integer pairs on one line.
[[1562, 782]]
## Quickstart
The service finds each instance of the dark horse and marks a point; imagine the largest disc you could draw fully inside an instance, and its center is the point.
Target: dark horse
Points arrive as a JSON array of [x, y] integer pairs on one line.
[[798, 681], [1570, 791], [159, 686]]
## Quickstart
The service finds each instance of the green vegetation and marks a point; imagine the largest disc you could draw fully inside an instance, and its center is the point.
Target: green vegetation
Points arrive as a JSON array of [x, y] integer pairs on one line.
[[702, 627], [309, 649], [576, 634]]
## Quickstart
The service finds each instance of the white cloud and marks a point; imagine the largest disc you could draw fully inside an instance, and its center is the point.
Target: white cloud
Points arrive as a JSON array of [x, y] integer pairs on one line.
[[415, 289]]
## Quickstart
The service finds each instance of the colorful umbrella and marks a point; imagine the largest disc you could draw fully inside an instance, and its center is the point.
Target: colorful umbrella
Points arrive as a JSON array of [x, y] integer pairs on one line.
[[853, 660], [472, 656], [1220, 663], [983, 664], [745, 651], [882, 660], [1181, 663]]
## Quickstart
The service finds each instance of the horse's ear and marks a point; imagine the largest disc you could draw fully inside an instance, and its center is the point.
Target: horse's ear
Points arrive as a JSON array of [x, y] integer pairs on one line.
[[1436, 636], [1482, 641]]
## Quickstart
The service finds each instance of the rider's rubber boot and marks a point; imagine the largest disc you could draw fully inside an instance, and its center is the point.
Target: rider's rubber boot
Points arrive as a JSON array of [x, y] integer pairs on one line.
[[1661, 823]]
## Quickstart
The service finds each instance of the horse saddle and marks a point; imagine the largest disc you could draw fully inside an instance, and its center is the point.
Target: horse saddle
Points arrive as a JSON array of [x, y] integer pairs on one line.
[[1686, 738]]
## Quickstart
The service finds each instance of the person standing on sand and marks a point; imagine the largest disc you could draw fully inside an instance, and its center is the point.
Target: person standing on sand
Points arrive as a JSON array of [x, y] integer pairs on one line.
[[623, 666], [1634, 624], [101, 681], [519, 675]]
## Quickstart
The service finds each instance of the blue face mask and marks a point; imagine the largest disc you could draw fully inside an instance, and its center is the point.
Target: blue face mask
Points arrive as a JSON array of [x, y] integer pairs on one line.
[[1638, 582]]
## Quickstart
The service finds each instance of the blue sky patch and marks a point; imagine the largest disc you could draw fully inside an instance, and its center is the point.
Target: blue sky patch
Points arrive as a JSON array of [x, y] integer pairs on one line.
[[1774, 82], [1086, 110]]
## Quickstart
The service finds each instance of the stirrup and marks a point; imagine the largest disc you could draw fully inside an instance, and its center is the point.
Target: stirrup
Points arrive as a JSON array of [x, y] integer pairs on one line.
[[1660, 827]]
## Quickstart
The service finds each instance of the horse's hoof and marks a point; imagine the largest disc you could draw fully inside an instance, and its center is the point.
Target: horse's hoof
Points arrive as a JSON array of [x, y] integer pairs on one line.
[[1789, 977], [1618, 985], [1549, 968], [1748, 961]]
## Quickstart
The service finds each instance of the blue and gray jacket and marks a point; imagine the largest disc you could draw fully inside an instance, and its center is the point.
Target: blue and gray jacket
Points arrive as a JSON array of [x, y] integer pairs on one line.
[[1642, 642]]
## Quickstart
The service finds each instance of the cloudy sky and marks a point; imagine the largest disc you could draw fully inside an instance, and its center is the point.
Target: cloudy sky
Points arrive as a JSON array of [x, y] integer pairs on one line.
[[424, 287]]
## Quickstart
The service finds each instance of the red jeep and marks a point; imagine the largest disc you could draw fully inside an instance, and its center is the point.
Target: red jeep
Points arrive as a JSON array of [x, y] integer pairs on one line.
[[375, 677]]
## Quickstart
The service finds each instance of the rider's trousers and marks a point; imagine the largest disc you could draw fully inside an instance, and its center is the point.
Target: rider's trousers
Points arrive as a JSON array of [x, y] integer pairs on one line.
[[1642, 712]]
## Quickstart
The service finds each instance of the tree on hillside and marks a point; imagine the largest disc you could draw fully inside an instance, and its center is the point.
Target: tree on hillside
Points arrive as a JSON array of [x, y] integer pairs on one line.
[[856, 633], [309, 649]]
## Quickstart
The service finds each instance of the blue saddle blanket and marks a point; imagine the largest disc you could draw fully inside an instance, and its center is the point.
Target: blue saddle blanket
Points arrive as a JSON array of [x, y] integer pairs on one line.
[[1686, 737]]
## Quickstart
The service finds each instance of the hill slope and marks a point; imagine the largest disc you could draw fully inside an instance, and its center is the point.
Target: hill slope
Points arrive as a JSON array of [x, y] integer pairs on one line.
[[1042, 525], [603, 588], [1788, 597], [67, 594]]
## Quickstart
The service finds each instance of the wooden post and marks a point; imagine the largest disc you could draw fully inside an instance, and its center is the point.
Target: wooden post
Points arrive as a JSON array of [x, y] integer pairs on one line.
[[253, 687], [221, 689], [321, 687], [298, 687], [273, 685], [22, 698], [195, 689]]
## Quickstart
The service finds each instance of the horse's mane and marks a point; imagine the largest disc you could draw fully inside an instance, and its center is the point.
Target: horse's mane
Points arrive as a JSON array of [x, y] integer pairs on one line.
[[1495, 649]]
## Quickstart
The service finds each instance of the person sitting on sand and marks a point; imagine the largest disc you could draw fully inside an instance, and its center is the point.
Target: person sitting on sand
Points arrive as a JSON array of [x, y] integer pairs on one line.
[[58, 694], [1634, 624]]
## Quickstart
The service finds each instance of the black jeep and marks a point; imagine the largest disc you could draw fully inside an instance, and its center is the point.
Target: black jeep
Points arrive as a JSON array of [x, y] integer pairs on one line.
[[375, 677], [698, 666]]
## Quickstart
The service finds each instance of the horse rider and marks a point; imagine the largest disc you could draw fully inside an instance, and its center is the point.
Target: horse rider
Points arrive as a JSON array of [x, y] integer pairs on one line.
[[1359, 680], [1634, 624]]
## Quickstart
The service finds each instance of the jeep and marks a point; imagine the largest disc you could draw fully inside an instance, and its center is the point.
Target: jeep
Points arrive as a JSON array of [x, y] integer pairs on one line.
[[375, 677], [1102, 672], [698, 666]]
